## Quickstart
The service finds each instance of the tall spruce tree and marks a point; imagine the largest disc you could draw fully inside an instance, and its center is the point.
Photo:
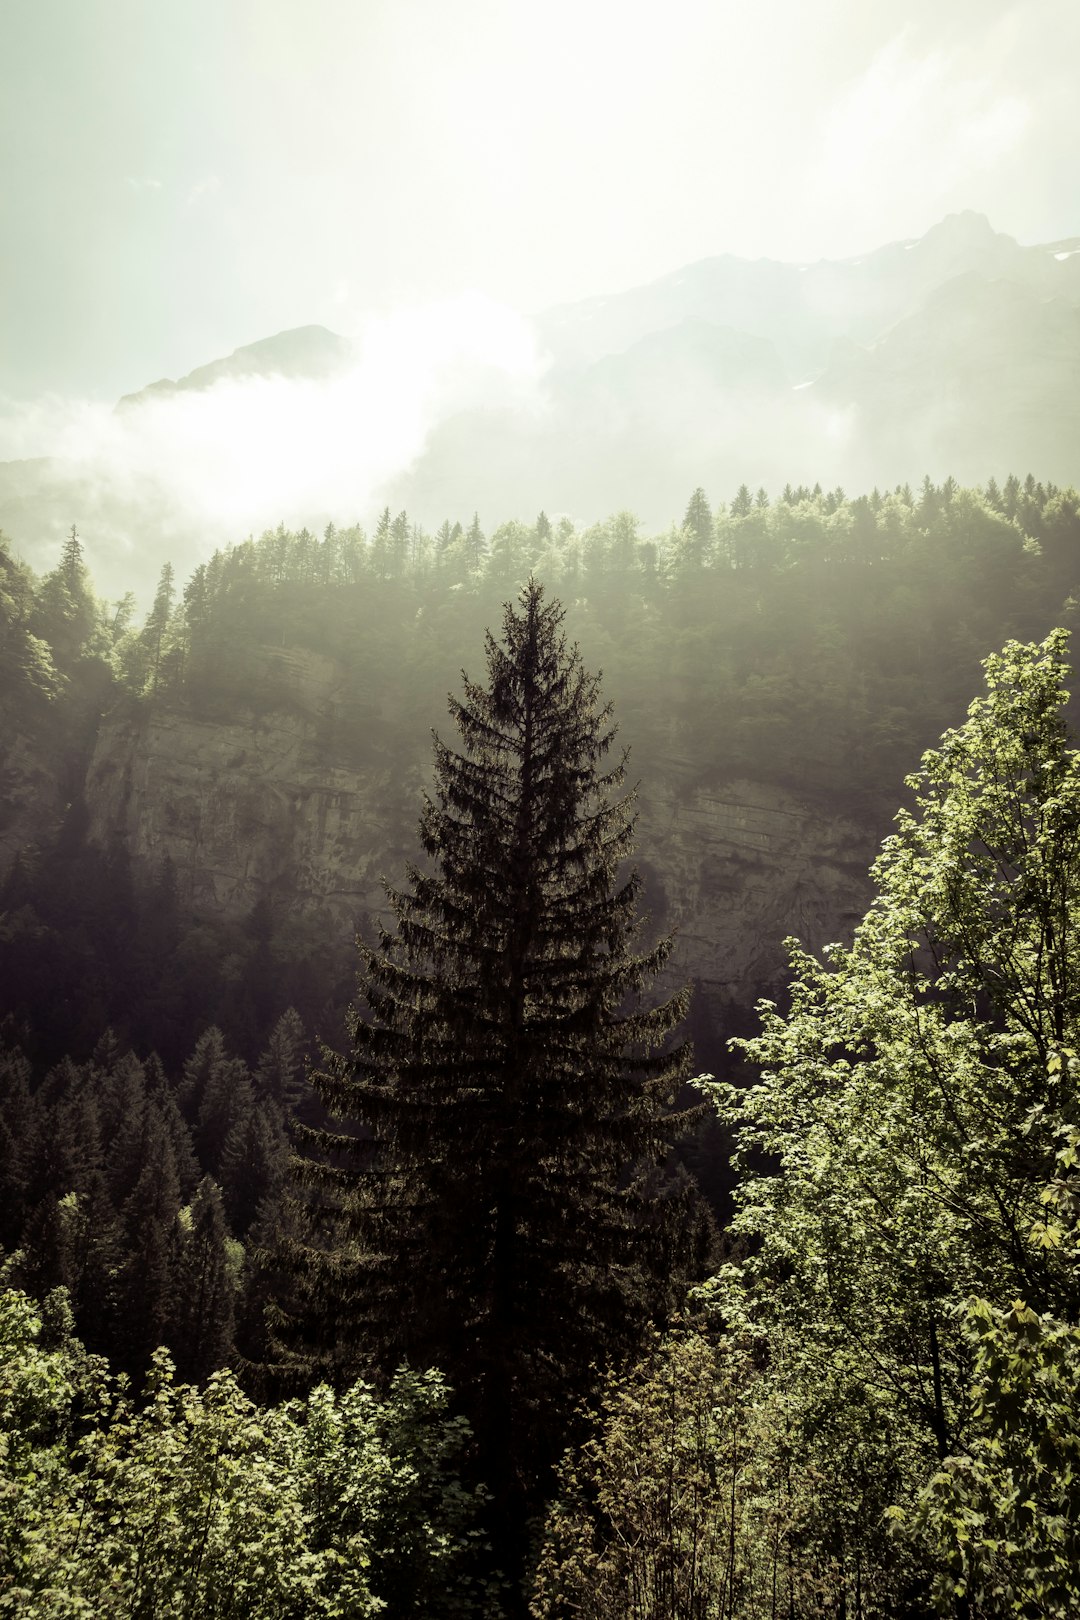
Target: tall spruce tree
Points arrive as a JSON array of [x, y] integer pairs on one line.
[[506, 1088]]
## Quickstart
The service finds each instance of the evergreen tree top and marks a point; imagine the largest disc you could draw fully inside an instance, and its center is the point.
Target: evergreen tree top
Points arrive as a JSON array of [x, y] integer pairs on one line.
[[507, 1096]]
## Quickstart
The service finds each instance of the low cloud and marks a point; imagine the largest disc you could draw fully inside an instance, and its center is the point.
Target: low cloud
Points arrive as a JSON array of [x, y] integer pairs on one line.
[[179, 473]]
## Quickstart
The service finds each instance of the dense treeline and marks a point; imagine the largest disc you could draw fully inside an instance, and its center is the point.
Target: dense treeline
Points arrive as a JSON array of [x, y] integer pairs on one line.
[[816, 641], [873, 1410], [888, 1422], [827, 638], [146, 1195], [201, 1503]]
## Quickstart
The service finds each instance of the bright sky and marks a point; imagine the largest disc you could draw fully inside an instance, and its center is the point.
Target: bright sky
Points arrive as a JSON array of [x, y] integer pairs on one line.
[[177, 179]]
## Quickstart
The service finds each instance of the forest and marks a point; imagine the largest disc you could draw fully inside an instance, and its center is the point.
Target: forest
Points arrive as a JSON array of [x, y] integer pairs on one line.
[[427, 1273]]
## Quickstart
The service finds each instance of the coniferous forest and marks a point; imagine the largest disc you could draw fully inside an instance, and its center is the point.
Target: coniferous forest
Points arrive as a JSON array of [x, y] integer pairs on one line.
[[483, 1264]]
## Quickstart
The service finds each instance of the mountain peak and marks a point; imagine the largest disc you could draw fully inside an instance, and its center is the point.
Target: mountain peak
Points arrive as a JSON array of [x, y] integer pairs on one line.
[[966, 229], [300, 351]]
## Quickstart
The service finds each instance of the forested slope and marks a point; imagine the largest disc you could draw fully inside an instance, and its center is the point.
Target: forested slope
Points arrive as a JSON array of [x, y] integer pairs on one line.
[[810, 646], [248, 760]]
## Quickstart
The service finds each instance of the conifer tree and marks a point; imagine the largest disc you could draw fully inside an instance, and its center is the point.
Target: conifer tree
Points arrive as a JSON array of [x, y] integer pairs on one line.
[[65, 612], [147, 1284], [698, 524], [280, 1071], [20, 1125], [158, 620], [205, 1291], [254, 1160], [475, 545], [71, 560], [507, 1083]]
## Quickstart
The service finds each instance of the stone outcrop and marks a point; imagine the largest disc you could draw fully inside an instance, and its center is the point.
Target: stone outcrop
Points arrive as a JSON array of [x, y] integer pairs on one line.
[[265, 804], [736, 869], [255, 805], [34, 790]]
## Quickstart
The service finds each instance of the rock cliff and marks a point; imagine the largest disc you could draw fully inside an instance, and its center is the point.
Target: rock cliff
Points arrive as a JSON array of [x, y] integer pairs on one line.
[[271, 803]]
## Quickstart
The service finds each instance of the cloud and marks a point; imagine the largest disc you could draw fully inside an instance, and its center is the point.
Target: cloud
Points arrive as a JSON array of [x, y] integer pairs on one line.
[[918, 124], [142, 185], [181, 473]]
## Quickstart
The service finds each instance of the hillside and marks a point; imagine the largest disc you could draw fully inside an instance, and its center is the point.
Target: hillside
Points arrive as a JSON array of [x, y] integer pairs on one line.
[[954, 354]]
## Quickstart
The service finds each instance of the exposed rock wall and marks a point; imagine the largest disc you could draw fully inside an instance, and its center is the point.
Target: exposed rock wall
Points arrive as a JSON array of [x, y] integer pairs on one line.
[[34, 791], [261, 805], [736, 869], [250, 809]]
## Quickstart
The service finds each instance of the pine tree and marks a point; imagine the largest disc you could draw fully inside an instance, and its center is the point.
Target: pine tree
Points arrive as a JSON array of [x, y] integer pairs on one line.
[[214, 1093], [280, 1071], [95, 1259], [508, 1086], [71, 560], [21, 1123], [158, 621], [698, 524], [65, 612], [205, 1292], [475, 545], [147, 1284], [254, 1160]]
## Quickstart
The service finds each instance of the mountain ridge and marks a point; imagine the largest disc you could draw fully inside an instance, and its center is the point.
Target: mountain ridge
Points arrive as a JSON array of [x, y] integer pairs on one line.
[[952, 354]]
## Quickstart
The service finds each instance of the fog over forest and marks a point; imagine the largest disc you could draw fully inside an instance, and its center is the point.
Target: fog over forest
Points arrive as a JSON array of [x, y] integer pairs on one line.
[[539, 811], [952, 354]]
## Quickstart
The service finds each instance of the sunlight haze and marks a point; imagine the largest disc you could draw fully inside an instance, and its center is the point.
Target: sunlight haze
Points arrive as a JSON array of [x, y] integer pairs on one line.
[[183, 180]]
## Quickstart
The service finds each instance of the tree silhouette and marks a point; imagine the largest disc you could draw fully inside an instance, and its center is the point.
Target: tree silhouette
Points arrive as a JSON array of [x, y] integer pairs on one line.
[[508, 1086]]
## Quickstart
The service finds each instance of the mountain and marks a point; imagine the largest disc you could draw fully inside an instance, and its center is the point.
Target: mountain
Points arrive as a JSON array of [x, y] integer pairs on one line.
[[984, 373], [802, 308], [308, 352], [954, 353]]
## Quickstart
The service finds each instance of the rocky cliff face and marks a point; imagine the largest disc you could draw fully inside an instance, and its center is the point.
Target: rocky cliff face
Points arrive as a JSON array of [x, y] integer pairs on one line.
[[735, 870], [34, 790], [256, 805], [266, 804]]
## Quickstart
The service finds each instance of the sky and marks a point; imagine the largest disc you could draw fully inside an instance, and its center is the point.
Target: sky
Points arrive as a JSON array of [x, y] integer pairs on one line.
[[180, 179]]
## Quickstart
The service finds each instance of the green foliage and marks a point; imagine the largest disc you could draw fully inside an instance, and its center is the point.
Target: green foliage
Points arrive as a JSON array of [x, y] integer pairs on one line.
[[695, 1499], [907, 1122], [27, 669], [849, 629], [652, 1520], [66, 614], [203, 1503], [508, 1087], [102, 1193], [1004, 1516], [912, 1100]]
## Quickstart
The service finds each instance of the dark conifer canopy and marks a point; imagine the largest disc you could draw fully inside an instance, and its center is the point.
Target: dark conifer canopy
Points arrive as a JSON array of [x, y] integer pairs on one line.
[[508, 1085]]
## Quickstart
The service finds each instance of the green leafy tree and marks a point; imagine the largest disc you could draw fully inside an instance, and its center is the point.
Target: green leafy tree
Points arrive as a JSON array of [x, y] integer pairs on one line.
[[205, 1504], [909, 1112], [654, 1518], [508, 1081], [26, 663], [1004, 1514]]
